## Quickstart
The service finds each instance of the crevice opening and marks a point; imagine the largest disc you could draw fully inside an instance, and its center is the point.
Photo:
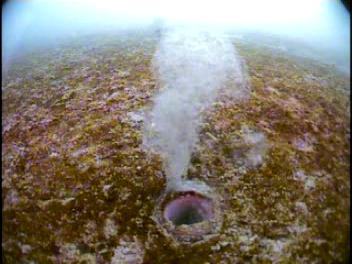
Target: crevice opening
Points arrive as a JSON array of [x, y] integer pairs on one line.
[[189, 209]]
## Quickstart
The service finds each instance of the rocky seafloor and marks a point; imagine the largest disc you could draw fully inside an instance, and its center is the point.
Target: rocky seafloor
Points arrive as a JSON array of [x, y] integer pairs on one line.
[[78, 186]]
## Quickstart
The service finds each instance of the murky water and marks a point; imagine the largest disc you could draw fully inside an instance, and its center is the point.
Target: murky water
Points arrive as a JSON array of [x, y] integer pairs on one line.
[[259, 119]]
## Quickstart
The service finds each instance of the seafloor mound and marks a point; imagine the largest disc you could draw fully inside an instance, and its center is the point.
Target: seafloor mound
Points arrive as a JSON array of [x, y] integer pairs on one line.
[[78, 186], [189, 216]]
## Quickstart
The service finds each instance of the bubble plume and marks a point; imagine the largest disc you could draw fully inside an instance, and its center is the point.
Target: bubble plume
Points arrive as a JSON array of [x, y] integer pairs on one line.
[[190, 65]]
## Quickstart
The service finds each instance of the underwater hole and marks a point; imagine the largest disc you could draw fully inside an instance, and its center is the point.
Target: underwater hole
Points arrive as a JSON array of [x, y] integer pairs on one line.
[[189, 209]]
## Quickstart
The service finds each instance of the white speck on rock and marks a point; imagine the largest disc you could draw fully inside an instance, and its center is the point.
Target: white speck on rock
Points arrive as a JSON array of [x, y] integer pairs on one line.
[[124, 194], [25, 249], [328, 211], [106, 188], [135, 117], [67, 200], [215, 248], [123, 74], [79, 152], [11, 199], [275, 249], [54, 155], [277, 246], [255, 159], [302, 207], [309, 181], [309, 184], [299, 175], [304, 144], [128, 252], [68, 253], [113, 96], [110, 228], [90, 233], [297, 228], [224, 243]]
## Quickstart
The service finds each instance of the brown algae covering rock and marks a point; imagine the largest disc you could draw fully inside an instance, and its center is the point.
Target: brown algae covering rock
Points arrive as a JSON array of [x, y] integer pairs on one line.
[[77, 183]]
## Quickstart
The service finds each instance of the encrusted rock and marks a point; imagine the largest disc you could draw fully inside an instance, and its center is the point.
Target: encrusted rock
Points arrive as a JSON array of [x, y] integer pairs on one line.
[[128, 252], [201, 223]]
